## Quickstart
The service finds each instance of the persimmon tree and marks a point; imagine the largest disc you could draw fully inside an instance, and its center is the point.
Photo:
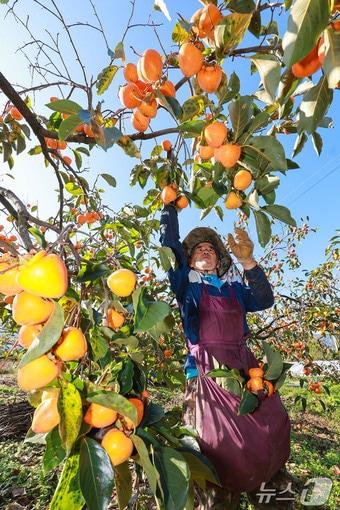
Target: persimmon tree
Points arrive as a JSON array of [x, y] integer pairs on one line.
[[226, 151]]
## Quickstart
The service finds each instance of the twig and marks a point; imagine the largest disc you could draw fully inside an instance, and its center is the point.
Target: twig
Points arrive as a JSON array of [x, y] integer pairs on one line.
[[61, 19], [148, 136], [100, 24], [65, 232]]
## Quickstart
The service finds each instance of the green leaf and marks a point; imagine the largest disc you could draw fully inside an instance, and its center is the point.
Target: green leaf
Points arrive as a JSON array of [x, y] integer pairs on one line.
[[192, 127], [270, 198], [269, 69], [125, 376], [99, 346], [317, 142], [78, 158], [193, 107], [292, 165], [7, 150], [240, 111], [331, 64], [10, 162], [280, 381], [36, 150], [71, 415], [230, 32], [300, 142], [47, 338], [74, 189], [219, 372], [259, 121], [190, 502], [171, 104], [104, 78], [201, 469], [68, 125], [230, 91], [167, 258], [219, 211], [65, 106], [275, 362], [241, 6], [144, 460], [248, 404], [308, 18], [314, 106], [281, 213], [263, 227], [68, 495], [21, 143], [174, 477], [54, 453], [267, 183], [83, 150], [205, 197], [163, 327], [255, 25], [123, 485], [263, 154], [129, 341], [92, 272], [147, 313], [114, 401], [153, 413], [39, 237], [96, 475], [109, 179]]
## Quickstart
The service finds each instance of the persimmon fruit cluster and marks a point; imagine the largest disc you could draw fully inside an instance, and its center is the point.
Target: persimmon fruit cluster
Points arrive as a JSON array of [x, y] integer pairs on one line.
[[145, 88]]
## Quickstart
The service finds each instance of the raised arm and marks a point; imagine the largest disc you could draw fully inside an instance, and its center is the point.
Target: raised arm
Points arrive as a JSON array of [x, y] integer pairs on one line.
[[169, 230], [258, 295]]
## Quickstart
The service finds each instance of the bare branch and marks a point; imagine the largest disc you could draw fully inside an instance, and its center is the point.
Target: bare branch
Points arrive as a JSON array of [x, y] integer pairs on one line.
[[100, 24], [61, 19], [45, 86]]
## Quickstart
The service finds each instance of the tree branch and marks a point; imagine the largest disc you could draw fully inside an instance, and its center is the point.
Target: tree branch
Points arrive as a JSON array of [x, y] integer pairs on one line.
[[7, 196]]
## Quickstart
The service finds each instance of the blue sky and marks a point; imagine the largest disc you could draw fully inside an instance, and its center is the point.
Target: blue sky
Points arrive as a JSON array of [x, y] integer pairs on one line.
[[309, 191]]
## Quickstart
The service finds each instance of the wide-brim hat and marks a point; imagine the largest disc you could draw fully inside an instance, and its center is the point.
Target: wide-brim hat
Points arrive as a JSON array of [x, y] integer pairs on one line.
[[207, 235]]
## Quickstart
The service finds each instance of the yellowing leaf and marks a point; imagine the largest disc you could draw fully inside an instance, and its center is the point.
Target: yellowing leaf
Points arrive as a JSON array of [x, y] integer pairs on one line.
[[105, 78], [230, 32]]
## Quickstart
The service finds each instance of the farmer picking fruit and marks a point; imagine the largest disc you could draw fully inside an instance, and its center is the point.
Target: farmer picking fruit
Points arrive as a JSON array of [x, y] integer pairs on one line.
[[248, 449]]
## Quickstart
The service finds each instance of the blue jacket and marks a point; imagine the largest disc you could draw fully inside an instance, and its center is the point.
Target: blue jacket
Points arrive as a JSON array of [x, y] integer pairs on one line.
[[187, 284]]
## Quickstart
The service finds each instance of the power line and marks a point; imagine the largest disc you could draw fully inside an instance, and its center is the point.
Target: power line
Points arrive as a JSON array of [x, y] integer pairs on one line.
[[315, 184], [311, 177]]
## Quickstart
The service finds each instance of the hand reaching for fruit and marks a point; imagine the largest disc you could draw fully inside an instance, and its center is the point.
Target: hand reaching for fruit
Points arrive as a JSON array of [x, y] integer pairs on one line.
[[242, 247]]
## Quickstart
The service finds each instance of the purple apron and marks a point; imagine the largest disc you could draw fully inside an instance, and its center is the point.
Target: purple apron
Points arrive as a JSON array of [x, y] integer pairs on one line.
[[245, 450]]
